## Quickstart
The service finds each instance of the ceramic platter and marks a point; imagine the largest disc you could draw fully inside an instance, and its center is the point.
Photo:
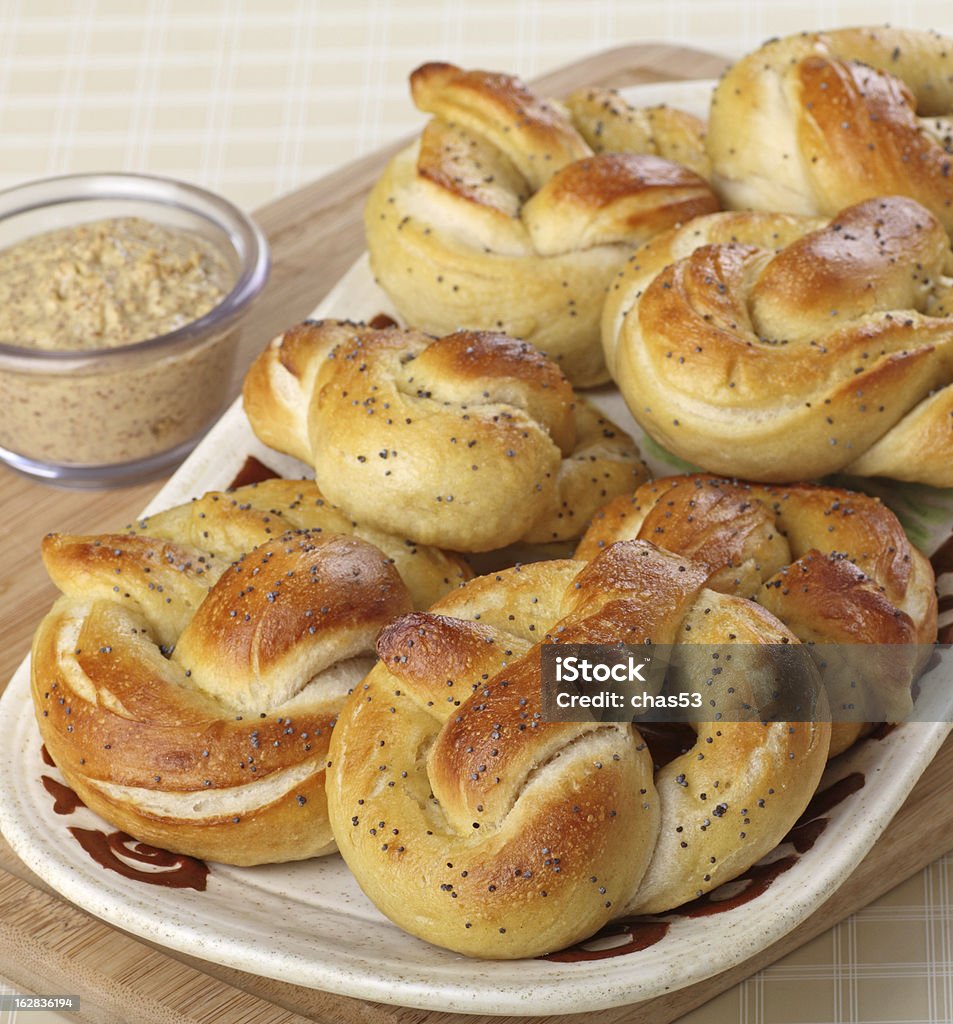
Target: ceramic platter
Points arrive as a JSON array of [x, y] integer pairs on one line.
[[309, 923]]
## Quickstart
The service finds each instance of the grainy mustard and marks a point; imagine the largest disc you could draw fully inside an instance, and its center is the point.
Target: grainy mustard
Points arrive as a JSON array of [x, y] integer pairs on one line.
[[107, 283], [91, 288]]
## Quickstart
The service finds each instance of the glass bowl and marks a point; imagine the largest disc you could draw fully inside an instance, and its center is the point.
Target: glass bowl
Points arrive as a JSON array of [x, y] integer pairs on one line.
[[103, 416]]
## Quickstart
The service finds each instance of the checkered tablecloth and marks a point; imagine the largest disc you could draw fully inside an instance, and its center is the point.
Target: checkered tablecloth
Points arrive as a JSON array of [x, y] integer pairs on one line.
[[254, 99]]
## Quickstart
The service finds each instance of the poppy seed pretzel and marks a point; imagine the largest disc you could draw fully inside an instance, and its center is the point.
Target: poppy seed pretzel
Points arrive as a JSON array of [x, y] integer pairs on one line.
[[502, 217], [187, 680], [778, 348], [816, 121], [469, 442], [834, 565], [477, 825]]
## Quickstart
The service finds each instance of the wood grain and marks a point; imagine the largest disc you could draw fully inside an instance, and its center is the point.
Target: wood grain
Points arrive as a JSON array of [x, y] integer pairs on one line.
[[47, 945]]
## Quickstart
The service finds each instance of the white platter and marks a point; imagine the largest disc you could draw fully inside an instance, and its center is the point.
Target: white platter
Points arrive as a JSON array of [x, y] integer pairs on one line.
[[309, 923]]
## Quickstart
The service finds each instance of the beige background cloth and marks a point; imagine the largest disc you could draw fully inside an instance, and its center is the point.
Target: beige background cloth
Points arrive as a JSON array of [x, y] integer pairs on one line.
[[257, 98]]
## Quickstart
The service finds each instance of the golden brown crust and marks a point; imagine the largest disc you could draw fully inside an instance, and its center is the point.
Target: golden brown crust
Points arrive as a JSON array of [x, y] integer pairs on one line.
[[816, 121], [276, 382], [612, 199], [187, 681], [790, 352], [476, 824], [522, 601], [533, 133], [285, 612], [472, 441], [833, 565], [503, 218], [595, 469], [223, 526]]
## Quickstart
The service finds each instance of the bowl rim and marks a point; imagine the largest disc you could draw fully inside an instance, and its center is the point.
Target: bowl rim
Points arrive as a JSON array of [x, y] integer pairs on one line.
[[245, 237]]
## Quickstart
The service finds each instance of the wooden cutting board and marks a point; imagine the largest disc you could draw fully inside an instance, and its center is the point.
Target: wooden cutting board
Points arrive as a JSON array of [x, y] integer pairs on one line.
[[49, 946]]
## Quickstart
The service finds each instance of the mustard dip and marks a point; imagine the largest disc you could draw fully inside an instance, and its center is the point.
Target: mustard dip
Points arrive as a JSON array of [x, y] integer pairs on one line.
[[107, 283]]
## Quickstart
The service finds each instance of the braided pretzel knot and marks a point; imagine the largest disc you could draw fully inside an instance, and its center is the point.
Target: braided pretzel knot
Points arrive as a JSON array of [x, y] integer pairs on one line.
[[471, 442], [776, 348], [474, 823], [187, 680], [833, 565], [501, 217], [814, 122]]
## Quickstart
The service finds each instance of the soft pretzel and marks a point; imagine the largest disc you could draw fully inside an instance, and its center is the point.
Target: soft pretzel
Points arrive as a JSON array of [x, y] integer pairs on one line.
[[187, 680], [816, 121], [778, 348], [477, 825], [501, 217], [835, 566], [472, 441]]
